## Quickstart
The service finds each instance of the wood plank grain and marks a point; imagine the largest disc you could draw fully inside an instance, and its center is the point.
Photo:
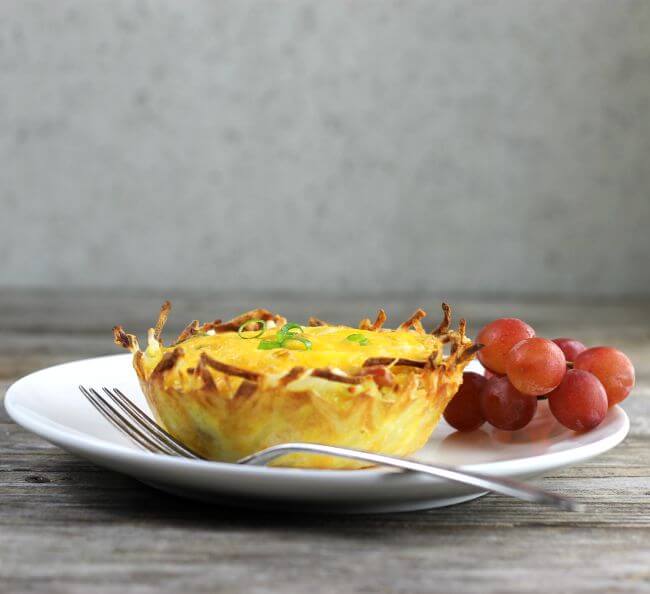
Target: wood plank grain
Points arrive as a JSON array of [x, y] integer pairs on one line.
[[96, 311], [67, 525], [223, 555]]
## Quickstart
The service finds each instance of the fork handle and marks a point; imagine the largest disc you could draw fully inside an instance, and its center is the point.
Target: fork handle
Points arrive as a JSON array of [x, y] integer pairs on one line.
[[504, 486]]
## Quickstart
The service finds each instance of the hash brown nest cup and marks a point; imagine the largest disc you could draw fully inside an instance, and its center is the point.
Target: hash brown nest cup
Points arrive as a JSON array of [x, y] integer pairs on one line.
[[223, 397]]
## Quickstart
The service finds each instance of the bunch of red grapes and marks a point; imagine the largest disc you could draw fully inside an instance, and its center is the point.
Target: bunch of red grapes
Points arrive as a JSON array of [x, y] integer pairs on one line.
[[580, 383]]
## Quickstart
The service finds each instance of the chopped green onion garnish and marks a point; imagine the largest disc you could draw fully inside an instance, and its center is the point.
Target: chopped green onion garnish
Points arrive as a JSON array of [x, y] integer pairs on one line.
[[258, 332], [286, 330], [360, 338]]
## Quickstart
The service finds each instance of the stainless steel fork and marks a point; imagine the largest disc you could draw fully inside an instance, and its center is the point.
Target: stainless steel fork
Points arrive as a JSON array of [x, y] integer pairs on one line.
[[119, 410]]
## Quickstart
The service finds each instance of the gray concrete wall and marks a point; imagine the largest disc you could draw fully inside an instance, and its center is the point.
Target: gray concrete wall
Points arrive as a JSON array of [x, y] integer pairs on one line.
[[467, 147]]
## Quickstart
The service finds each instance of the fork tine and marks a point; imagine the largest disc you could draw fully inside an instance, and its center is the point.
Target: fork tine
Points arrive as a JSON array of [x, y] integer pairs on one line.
[[148, 424], [122, 423], [133, 428], [106, 412]]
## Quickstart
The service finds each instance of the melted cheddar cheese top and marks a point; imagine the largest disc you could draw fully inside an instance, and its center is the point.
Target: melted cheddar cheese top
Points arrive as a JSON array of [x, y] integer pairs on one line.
[[330, 348]]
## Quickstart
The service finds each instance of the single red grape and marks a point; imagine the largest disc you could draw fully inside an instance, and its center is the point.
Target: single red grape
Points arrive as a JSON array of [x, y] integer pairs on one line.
[[570, 347], [497, 338], [504, 406], [464, 411], [614, 370], [535, 366], [580, 401]]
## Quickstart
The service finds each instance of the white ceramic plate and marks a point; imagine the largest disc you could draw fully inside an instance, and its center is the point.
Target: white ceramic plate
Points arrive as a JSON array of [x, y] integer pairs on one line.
[[49, 403]]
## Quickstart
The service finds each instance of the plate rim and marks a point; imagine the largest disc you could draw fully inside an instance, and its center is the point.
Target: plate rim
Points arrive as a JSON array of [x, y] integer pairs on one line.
[[77, 441]]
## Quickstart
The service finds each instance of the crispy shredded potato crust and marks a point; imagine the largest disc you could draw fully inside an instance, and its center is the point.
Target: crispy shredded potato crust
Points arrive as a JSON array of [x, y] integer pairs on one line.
[[223, 397]]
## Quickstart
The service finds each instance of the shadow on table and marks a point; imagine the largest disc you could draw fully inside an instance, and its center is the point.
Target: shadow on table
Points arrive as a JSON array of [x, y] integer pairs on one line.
[[88, 493]]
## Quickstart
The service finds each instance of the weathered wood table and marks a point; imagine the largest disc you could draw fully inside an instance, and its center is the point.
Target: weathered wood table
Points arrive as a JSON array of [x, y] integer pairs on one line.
[[67, 525]]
